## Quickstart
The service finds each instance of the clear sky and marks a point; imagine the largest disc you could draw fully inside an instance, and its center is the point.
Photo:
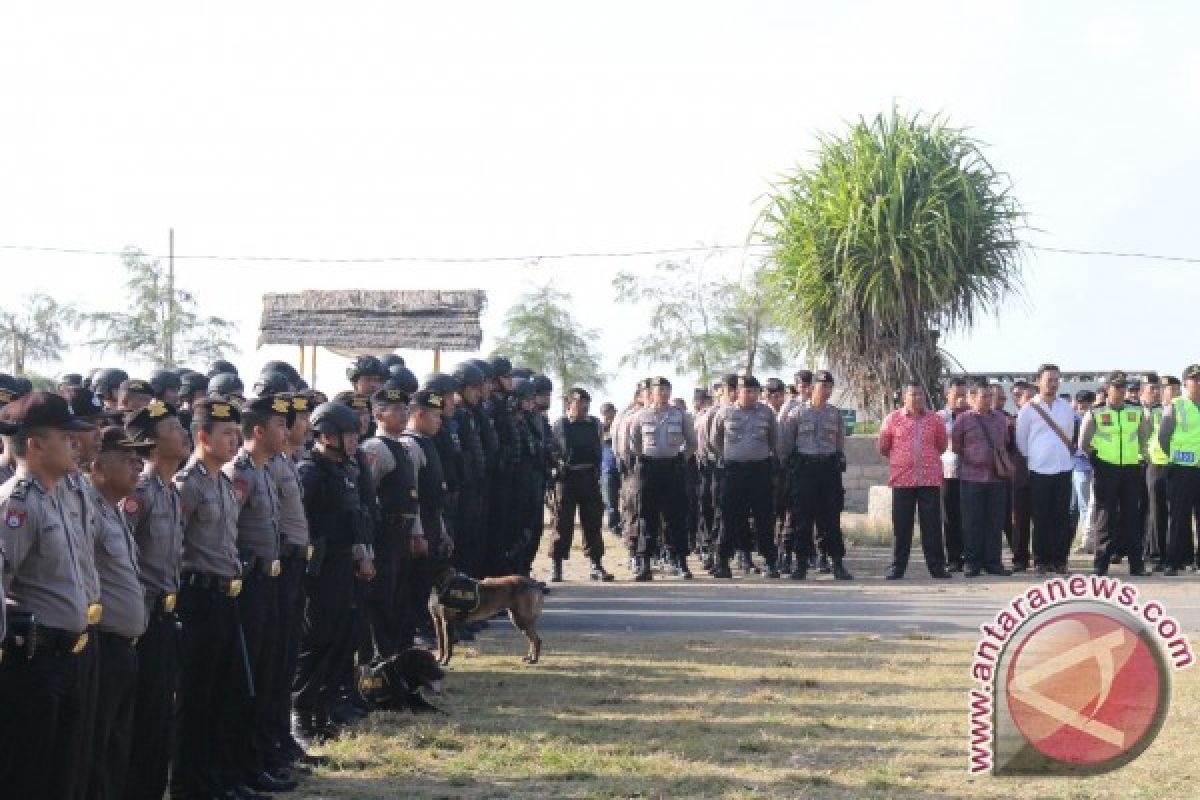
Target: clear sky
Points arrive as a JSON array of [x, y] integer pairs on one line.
[[503, 128]]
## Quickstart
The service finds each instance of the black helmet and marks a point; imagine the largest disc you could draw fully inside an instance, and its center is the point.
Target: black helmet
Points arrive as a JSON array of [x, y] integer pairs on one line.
[[272, 383], [440, 382], [283, 368], [523, 389], [524, 373], [501, 367], [542, 384], [225, 384], [483, 366], [89, 382], [391, 360], [403, 378], [163, 379], [333, 418], [107, 380], [221, 366], [301, 385], [365, 365], [468, 374], [24, 385], [193, 382], [71, 379]]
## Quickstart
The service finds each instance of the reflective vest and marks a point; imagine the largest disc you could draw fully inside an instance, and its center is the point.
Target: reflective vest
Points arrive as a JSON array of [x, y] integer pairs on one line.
[[1185, 439], [1116, 438], [1158, 456]]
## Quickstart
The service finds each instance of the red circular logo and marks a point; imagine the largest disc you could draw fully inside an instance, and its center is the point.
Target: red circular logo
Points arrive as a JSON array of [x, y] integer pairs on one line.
[[1086, 687]]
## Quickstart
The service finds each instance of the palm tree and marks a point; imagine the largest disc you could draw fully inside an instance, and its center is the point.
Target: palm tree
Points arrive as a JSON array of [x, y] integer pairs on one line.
[[901, 231]]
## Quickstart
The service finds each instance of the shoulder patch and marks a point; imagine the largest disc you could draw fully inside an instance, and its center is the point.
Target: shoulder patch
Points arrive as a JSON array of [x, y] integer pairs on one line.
[[21, 489], [130, 505], [241, 487], [14, 519]]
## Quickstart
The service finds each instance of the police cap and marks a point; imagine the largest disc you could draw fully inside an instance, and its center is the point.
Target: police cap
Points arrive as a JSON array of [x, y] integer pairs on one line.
[[1192, 371], [141, 423], [390, 395], [428, 399], [468, 374], [803, 376], [137, 386], [658, 381], [748, 382], [215, 409], [775, 385], [350, 399], [41, 410], [1117, 378], [115, 439], [823, 376]]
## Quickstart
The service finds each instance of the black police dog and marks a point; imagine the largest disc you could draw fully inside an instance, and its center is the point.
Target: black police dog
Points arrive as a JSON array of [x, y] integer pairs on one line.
[[395, 683]]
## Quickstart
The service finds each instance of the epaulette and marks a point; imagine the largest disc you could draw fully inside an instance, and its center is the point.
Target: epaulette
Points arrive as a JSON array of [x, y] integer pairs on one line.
[[242, 461], [20, 489]]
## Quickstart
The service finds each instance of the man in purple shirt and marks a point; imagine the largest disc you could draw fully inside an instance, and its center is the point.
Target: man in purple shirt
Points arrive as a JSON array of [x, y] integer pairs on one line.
[[976, 436]]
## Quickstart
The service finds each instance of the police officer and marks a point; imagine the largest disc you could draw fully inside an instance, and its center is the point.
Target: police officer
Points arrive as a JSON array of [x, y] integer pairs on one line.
[[213, 676], [366, 374], [1117, 434], [221, 367], [706, 470], [470, 541], [527, 486], [264, 428], [398, 542], [813, 438], [134, 394], [114, 474], [105, 383], [294, 551], [227, 386], [339, 527], [166, 386], [660, 438], [1179, 436], [625, 465], [155, 515], [744, 440], [579, 438], [48, 613], [9, 391], [1157, 465], [501, 496]]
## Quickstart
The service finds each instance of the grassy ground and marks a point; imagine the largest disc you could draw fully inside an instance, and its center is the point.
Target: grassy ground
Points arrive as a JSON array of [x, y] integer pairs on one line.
[[651, 717]]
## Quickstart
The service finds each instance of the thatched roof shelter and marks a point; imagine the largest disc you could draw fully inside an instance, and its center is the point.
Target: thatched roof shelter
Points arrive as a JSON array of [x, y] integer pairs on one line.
[[366, 320]]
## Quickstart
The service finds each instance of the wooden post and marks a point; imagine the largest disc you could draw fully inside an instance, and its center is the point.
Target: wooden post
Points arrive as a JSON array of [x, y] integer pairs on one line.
[[437, 359], [301, 370], [313, 366]]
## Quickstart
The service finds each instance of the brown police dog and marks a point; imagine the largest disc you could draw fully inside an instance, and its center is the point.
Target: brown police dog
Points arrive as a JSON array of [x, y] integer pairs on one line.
[[457, 598]]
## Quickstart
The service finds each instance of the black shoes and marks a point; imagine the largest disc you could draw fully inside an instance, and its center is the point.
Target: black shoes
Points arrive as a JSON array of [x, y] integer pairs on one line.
[[684, 572], [823, 566], [893, 574], [840, 572], [598, 573], [643, 569], [941, 574], [799, 573], [721, 570]]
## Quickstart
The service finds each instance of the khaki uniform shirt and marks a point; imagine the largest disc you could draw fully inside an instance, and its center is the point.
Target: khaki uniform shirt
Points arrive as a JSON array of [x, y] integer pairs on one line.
[[662, 434], [812, 431], [41, 566], [293, 525], [258, 508], [121, 589], [740, 435], [155, 513], [210, 521]]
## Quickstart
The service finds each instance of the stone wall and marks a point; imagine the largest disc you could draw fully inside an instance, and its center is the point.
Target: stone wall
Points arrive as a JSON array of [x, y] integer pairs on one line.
[[864, 468]]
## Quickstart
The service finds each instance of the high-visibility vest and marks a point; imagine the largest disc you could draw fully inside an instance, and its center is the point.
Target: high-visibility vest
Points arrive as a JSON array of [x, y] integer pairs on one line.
[[1116, 437], [1185, 439], [1158, 456]]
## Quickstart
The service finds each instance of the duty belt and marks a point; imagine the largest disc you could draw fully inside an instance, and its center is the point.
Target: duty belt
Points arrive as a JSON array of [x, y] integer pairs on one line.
[[268, 568], [63, 641], [578, 467], [108, 636], [299, 552], [231, 587]]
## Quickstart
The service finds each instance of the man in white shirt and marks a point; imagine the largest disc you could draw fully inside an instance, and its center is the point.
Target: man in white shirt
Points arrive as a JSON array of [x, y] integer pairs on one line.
[[1043, 436]]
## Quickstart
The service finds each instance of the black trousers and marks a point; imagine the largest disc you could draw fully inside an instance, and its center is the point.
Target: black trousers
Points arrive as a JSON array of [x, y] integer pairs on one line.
[[258, 608], [500, 528], [1157, 518], [579, 494], [748, 493], [630, 519], [1183, 491], [706, 511], [153, 734], [906, 504], [952, 522], [1050, 512], [611, 490], [1019, 504], [782, 492], [1118, 492], [984, 509], [114, 717], [327, 635], [661, 507], [212, 688], [89, 686], [39, 723], [290, 586], [468, 531], [817, 499], [692, 518]]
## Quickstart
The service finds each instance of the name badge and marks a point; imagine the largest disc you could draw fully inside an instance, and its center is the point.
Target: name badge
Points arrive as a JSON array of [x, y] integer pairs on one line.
[[235, 587], [1183, 457], [275, 568], [95, 613], [169, 602], [308, 556]]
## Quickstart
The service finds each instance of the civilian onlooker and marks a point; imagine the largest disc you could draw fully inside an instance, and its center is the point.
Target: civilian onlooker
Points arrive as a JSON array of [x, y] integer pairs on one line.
[[610, 475], [1081, 476], [1017, 522], [976, 437], [956, 404], [912, 439], [1041, 436]]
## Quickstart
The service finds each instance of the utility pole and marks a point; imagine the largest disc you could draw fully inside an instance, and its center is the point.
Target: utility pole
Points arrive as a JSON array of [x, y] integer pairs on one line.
[[169, 334]]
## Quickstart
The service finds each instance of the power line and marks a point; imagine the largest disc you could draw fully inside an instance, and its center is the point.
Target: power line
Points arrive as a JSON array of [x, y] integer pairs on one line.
[[661, 251]]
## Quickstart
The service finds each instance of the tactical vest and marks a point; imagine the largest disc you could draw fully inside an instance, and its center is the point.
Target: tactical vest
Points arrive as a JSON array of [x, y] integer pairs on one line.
[[1116, 438], [581, 441], [474, 458], [449, 448], [397, 490], [431, 486], [1158, 456], [1185, 439]]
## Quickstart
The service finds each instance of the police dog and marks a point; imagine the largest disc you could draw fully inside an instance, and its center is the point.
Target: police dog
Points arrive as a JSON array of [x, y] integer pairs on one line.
[[459, 599], [395, 683]]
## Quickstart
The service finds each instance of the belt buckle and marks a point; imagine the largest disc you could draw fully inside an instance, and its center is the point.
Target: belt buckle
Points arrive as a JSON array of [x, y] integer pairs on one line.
[[309, 553], [169, 602], [95, 613], [275, 568], [80, 643], [235, 587]]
